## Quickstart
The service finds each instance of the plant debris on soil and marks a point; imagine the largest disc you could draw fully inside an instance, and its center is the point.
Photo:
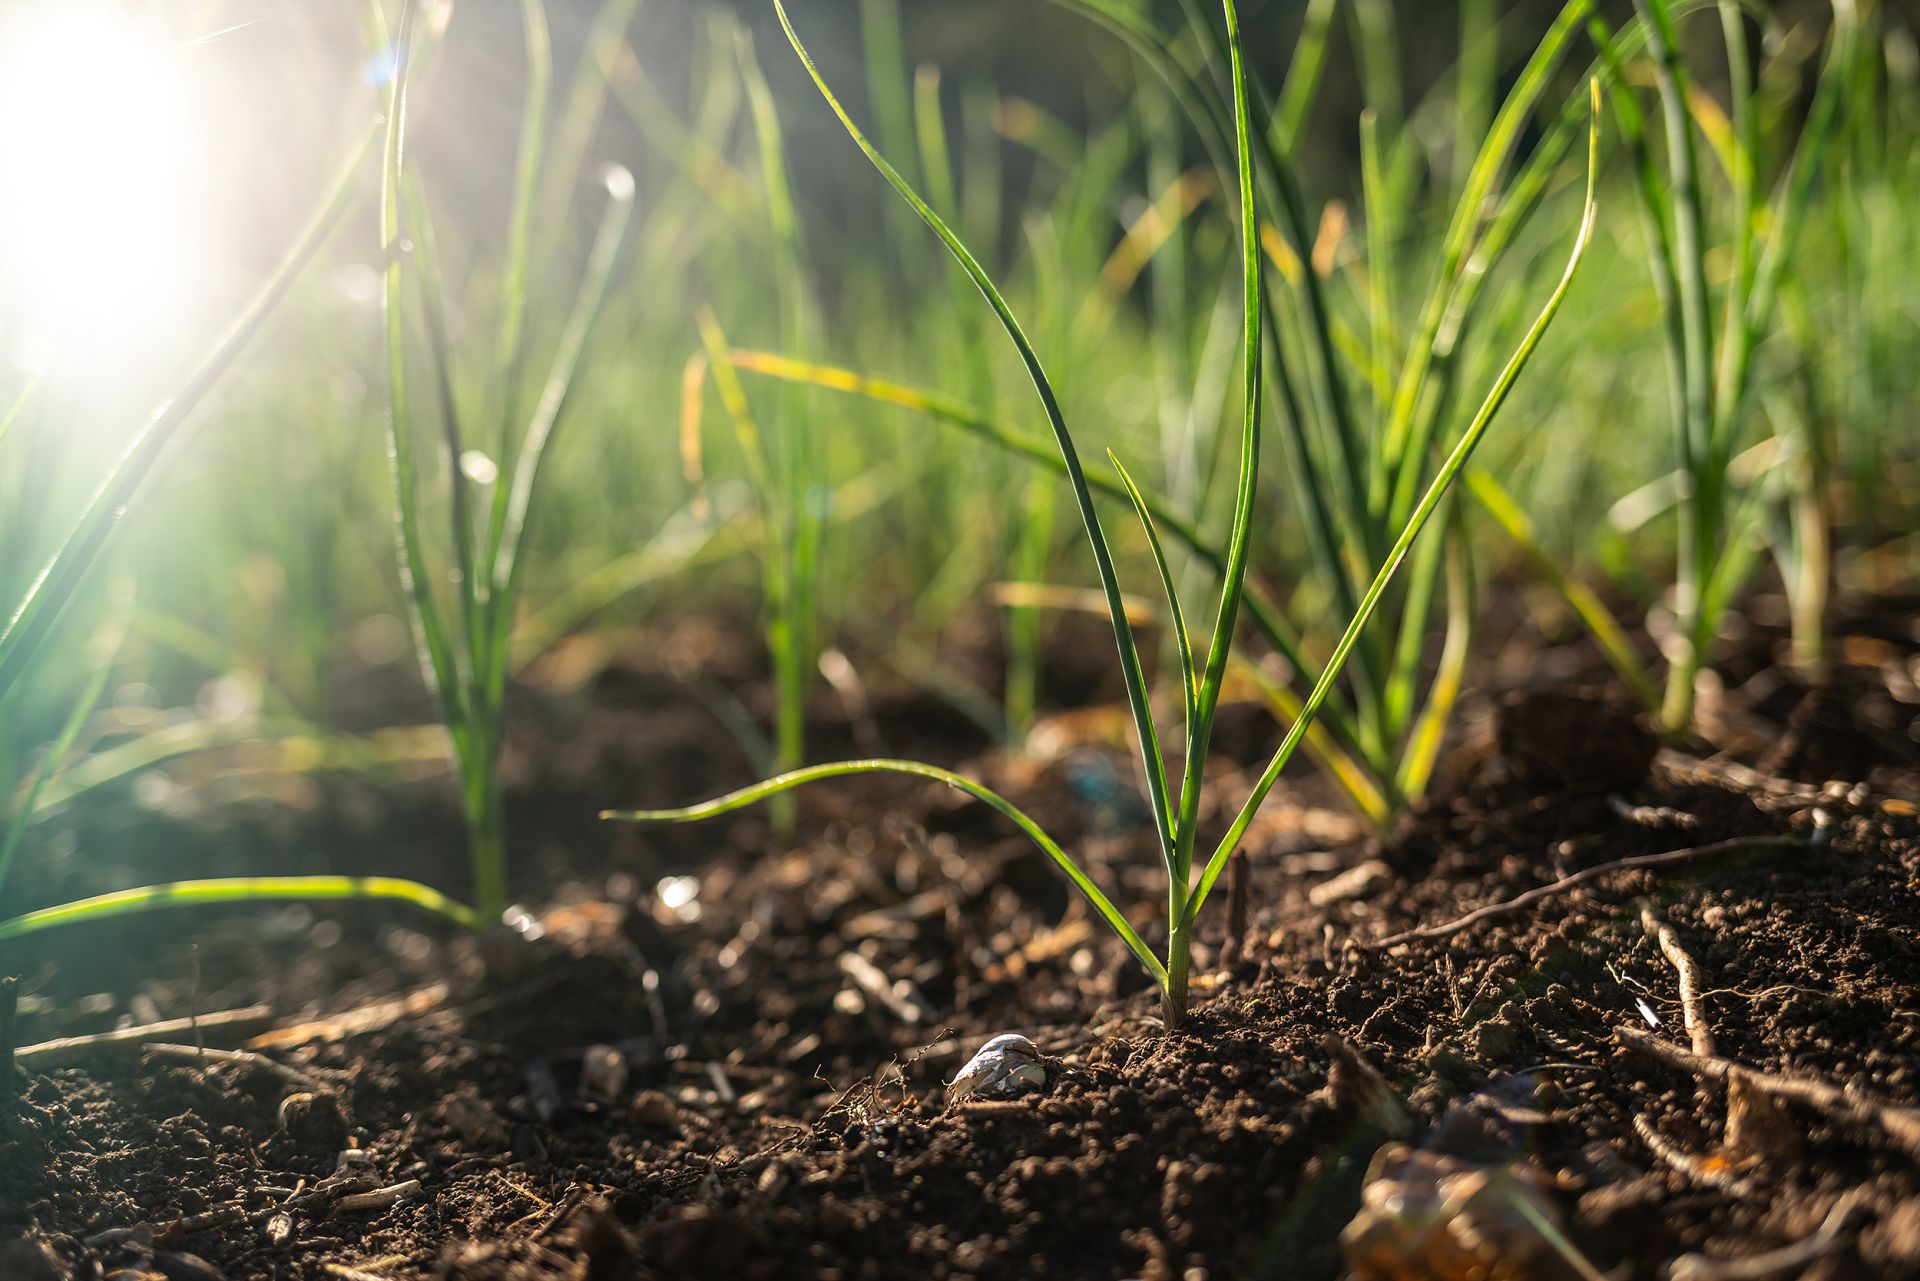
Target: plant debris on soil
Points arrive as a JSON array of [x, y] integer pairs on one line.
[[708, 1053]]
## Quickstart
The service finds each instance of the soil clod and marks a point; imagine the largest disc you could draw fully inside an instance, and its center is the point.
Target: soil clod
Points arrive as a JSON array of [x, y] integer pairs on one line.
[[314, 1121], [766, 1128]]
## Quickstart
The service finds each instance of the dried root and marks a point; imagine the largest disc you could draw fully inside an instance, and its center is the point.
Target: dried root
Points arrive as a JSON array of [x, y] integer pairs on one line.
[[1897, 1124], [1692, 1010], [1640, 862]]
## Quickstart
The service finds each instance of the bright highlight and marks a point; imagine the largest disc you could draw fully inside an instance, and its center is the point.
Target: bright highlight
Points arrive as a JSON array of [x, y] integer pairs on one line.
[[95, 144]]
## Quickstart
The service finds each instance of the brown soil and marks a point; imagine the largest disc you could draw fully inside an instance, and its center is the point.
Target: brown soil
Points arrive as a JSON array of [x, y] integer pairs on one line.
[[782, 1117]]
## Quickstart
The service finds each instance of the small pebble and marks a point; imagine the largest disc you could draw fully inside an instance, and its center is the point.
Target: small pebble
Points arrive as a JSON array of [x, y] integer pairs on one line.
[[654, 1109], [603, 1073], [477, 1124]]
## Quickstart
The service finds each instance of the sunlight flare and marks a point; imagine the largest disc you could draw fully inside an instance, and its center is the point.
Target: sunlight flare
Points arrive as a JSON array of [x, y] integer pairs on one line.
[[96, 137]]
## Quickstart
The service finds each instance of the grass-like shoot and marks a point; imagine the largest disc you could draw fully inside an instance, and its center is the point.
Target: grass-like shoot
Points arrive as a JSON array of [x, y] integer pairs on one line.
[[1174, 796], [464, 650], [1362, 408], [1723, 509]]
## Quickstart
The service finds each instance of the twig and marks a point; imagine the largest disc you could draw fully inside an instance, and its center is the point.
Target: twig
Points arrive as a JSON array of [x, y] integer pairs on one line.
[[216, 1217], [1690, 1166], [326, 1195], [1650, 815], [544, 1204], [1238, 895], [366, 1018], [558, 1214], [379, 1198], [1692, 1011], [193, 1010], [1691, 769], [345, 1273], [58, 1053], [246, 1057], [1737, 845], [9, 1005], [1788, 1259], [1899, 1124], [902, 1000]]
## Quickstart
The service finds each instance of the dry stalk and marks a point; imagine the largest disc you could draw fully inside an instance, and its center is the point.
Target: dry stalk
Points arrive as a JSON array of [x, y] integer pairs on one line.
[[193, 1011], [1650, 815], [325, 1196], [1692, 1011], [1238, 896], [379, 1198], [213, 1218], [245, 1057], [59, 1053], [372, 1017], [1691, 769], [1639, 862], [1690, 1166], [1788, 1260], [9, 1003], [1901, 1125]]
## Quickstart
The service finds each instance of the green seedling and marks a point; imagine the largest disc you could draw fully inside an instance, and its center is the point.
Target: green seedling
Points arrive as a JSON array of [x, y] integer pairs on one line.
[[1721, 498], [1336, 359], [1263, 613], [1175, 810], [465, 651], [1713, 379], [781, 465], [793, 625]]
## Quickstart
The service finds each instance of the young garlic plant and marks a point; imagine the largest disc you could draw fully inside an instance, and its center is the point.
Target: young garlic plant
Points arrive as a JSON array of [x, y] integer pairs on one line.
[[464, 651], [1363, 411], [1713, 361], [1175, 809]]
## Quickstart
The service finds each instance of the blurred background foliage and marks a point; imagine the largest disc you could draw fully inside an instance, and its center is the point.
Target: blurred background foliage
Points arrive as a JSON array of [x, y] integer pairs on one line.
[[254, 585]]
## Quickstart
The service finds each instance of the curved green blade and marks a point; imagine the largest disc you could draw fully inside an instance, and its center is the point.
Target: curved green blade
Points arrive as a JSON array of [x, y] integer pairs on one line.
[[882, 765], [1150, 752], [243, 889], [1456, 461]]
